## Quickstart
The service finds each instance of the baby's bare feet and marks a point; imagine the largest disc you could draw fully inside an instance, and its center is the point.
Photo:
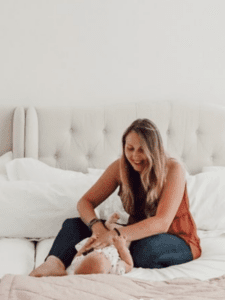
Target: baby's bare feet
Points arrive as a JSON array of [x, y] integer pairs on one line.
[[113, 218], [52, 267]]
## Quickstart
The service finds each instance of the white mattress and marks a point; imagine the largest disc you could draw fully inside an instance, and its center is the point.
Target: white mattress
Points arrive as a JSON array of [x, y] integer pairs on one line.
[[211, 264], [16, 256]]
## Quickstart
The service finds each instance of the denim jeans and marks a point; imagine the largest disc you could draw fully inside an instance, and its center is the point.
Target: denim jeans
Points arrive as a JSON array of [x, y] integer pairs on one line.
[[157, 251]]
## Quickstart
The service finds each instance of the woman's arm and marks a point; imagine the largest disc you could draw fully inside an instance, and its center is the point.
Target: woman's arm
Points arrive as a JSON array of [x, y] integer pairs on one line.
[[99, 192], [170, 200]]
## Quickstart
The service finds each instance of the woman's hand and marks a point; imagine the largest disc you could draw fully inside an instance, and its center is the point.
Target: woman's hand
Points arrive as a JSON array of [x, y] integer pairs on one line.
[[87, 245], [103, 240]]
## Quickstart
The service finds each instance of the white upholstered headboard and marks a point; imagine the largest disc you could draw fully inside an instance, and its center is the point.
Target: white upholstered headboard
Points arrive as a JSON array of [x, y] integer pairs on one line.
[[12, 120], [76, 138]]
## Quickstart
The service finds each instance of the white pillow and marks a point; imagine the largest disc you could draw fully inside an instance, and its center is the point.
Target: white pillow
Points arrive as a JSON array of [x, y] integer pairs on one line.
[[206, 193], [31, 169], [4, 159], [213, 168], [97, 172], [37, 209], [38, 198]]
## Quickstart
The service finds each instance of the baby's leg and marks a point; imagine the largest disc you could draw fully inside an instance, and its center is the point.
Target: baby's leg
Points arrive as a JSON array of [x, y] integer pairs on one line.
[[112, 219], [86, 245]]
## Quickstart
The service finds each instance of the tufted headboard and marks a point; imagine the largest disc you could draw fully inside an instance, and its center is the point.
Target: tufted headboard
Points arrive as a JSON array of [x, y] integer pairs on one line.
[[76, 138], [12, 130]]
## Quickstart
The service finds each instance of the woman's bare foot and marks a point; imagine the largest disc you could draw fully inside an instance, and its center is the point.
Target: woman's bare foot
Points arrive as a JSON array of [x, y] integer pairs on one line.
[[51, 267]]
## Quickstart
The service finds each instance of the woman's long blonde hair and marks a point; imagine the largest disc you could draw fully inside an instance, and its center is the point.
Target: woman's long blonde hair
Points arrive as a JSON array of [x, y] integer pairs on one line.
[[153, 175]]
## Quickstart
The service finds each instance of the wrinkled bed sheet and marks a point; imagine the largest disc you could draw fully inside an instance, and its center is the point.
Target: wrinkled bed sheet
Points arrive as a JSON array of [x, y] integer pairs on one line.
[[110, 287]]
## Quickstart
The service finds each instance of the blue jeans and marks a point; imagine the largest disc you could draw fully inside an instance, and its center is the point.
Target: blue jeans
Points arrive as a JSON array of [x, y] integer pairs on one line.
[[157, 251]]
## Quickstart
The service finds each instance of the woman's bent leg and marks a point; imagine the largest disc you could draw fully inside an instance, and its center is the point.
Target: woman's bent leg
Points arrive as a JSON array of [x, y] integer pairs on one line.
[[160, 251], [73, 231], [63, 249]]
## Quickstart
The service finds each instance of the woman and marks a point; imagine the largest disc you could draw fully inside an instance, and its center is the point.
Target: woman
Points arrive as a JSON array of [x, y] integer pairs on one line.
[[153, 191]]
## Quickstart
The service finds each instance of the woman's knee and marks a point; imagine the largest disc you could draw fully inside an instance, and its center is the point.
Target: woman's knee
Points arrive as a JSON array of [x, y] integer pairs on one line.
[[158, 243], [71, 222], [156, 251], [76, 225], [148, 244], [141, 252]]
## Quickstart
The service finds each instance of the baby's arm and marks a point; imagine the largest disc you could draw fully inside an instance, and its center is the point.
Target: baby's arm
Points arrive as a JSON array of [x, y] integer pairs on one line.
[[124, 253], [87, 244]]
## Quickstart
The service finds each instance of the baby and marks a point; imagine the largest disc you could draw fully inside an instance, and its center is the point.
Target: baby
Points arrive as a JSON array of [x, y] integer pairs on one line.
[[114, 259]]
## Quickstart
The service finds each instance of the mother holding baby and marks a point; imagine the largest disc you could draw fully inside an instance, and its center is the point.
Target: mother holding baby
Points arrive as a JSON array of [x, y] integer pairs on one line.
[[153, 191]]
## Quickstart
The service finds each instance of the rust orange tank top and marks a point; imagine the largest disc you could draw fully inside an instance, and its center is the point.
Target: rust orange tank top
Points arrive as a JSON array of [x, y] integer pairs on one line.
[[183, 225]]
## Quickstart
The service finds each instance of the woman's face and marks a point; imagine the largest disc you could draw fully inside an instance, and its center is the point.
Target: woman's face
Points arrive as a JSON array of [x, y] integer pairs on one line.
[[134, 152]]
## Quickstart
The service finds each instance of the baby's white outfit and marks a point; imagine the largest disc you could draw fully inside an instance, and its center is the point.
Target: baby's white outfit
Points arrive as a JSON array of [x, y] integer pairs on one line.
[[110, 252]]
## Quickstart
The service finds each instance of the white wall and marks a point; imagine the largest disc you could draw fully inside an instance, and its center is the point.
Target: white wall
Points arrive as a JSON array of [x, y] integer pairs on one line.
[[69, 52]]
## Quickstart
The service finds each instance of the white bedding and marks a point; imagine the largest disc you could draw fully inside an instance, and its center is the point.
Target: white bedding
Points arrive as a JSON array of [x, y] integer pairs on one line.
[[56, 192], [16, 256], [5, 159], [210, 265]]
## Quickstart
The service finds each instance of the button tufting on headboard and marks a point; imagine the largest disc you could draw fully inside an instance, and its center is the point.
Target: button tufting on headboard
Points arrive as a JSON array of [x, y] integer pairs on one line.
[[195, 129], [183, 157]]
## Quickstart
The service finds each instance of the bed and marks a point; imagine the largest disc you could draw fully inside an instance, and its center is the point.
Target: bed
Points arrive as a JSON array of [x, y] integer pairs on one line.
[[59, 152]]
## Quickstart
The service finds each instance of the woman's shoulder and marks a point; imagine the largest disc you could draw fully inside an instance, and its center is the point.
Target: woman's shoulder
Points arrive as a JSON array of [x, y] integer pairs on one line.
[[114, 169], [174, 165], [115, 166]]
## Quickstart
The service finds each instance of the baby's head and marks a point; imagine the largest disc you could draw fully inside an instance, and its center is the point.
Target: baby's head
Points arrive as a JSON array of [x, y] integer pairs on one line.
[[93, 263]]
